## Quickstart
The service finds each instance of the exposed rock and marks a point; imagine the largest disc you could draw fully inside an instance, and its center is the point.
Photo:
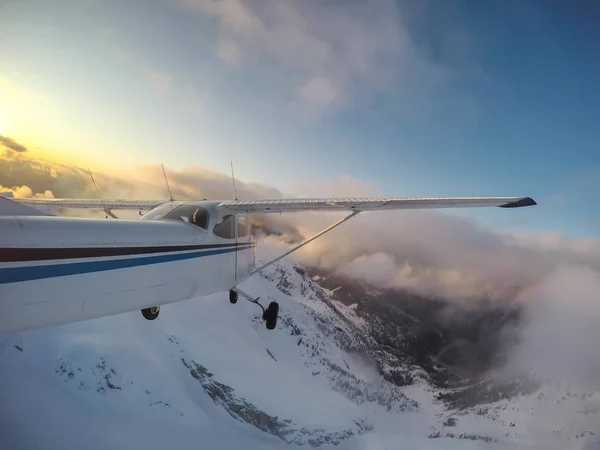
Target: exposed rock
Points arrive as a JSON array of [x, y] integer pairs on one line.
[[285, 429]]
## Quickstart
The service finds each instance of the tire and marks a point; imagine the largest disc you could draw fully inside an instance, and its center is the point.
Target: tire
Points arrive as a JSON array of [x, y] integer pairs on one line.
[[233, 297], [271, 315], [151, 313]]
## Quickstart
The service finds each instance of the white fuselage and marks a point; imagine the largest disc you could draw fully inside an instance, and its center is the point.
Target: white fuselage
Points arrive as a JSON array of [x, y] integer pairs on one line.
[[57, 270]]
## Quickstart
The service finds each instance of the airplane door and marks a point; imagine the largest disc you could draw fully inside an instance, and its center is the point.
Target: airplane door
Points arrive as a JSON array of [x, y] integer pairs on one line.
[[225, 228], [244, 254], [237, 242]]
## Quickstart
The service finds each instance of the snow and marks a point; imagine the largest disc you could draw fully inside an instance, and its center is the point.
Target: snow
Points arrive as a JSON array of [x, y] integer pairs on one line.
[[122, 382]]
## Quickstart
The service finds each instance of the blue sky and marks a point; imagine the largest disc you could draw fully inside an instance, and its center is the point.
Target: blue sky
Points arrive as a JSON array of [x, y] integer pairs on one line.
[[418, 98]]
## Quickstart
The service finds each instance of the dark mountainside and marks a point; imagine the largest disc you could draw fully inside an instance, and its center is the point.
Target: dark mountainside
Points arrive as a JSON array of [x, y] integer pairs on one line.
[[455, 345]]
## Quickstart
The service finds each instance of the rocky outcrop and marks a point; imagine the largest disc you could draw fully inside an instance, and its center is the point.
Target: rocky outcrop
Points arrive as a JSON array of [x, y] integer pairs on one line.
[[284, 429]]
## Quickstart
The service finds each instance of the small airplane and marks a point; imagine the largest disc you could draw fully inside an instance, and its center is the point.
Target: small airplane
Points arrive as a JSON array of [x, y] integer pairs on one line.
[[56, 269]]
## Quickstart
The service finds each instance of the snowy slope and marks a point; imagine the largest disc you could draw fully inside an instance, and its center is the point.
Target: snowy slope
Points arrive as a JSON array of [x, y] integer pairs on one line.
[[207, 373]]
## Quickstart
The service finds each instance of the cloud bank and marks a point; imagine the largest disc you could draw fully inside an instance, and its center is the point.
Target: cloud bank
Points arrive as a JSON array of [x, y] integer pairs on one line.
[[558, 340], [555, 279], [428, 252], [323, 54], [28, 176], [439, 255]]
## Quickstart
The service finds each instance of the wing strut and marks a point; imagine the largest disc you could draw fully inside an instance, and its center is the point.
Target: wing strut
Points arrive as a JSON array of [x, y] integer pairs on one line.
[[171, 199], [106, 210], [321, 233]]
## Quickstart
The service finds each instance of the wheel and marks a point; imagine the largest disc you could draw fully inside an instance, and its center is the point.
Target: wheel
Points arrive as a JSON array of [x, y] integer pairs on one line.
[[271, 315], [151, 313], [233, 297]]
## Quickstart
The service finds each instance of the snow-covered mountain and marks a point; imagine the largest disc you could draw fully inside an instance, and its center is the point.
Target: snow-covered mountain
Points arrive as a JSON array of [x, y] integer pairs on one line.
[[348, 367]]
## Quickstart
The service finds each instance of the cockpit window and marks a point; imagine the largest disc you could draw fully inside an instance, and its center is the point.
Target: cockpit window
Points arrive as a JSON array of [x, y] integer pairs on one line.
[[242, 226], [158, 212], [225, 227], [190, 213]]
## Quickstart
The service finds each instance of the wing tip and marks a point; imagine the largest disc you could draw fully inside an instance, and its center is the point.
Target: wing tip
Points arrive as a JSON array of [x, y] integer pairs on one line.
[[525, 201]]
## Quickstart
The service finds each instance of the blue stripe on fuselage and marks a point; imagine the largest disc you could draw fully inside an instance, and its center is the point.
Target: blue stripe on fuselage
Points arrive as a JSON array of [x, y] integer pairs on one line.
[[29, 273]]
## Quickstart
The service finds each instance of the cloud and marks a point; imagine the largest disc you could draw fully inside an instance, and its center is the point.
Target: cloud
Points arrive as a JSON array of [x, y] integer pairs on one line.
[[160, 81], [555, 278], [330, 54], [560, 336], [11, 144], [319, 91], [26, 192], [184, 94], [438, 254], [424, 251], [229, 52], [556, 344], [194, 182], [181, 92], [30, 176]]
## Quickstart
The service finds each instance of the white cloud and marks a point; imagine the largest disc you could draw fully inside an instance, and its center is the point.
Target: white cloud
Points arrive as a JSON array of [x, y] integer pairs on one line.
[[182, 94], [26, 192], [319, 92], [160, 81], [438, 254], [559, 339], [185, 95], [329, 54], [425, 251], [228, 51]]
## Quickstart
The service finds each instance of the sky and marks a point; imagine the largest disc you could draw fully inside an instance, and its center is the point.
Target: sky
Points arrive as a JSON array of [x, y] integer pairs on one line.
[[427, 98]]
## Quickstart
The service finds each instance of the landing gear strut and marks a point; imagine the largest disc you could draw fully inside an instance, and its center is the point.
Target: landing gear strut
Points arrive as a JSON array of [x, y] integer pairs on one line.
[[151, 313], [269, 314]]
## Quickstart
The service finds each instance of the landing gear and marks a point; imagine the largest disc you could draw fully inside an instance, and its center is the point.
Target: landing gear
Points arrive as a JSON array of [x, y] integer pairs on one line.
[[269, 315], [151, 313]]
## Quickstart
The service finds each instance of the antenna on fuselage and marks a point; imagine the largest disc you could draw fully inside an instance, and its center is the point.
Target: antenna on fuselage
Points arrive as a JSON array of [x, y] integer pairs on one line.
[[107, 211], [167, 181], [233, 179]]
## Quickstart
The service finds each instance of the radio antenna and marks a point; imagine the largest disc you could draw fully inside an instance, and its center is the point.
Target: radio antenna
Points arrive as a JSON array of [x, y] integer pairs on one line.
[[233, 179], [108, 212], [167, 181]]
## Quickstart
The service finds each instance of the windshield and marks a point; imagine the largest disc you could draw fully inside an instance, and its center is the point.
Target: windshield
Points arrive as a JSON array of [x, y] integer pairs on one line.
[[191, 214], [158, 212]]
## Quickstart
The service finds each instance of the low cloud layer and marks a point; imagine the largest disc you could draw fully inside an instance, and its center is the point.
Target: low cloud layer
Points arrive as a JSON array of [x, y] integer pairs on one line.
[[559, 337], [29, 177], [428, 252], [555, 278], [439, 254]]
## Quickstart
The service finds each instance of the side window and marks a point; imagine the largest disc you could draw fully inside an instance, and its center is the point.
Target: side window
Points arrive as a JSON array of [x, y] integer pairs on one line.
[[191, 214], [225, 227], [200, 218], [242, 226]]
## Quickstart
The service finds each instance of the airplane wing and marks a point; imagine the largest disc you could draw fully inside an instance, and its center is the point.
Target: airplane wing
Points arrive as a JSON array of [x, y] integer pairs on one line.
[[372, 204], [90, 203]]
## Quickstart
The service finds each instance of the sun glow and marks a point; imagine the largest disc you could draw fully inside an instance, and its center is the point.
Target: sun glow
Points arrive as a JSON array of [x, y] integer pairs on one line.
[[3, 123]]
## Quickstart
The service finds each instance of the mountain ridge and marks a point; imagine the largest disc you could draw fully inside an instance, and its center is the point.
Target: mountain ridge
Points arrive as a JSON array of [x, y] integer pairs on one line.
[[334, 374]]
